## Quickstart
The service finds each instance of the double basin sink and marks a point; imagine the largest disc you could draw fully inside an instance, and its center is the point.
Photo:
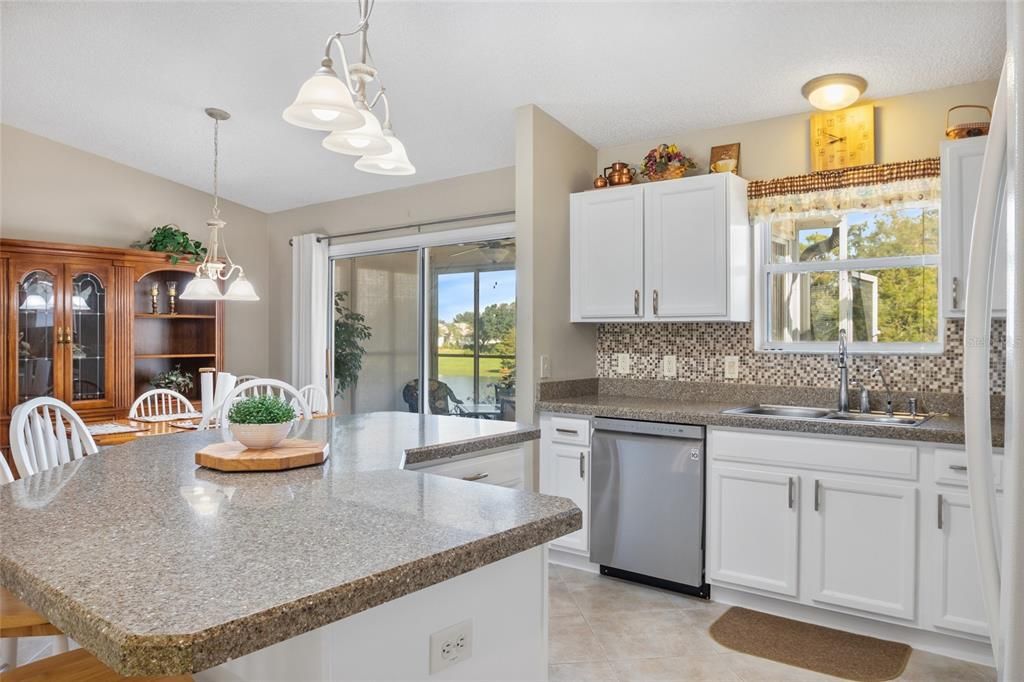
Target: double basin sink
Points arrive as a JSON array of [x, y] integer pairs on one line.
[[825, 414]]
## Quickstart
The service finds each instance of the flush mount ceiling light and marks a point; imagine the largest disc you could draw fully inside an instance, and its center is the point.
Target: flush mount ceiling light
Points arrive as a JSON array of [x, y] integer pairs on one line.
[[213, 270], [339, 104], [834, 91]]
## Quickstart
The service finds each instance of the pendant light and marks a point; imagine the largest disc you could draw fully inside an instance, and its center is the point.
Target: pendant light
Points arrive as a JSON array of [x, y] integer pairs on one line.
[[213, 270], [339, 104]]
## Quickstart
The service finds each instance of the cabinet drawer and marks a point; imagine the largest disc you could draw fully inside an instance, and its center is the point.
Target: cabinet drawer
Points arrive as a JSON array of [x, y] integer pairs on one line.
[[500, 468], [951, 468], [821, 454], [570, 430]]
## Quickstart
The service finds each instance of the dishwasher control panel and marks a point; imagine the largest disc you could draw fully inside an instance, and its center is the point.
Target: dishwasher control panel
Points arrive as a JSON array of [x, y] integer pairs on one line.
[[649, 428]]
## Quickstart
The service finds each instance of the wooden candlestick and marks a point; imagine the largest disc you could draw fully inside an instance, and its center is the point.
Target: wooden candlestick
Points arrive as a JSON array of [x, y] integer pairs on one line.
[[172, 292]]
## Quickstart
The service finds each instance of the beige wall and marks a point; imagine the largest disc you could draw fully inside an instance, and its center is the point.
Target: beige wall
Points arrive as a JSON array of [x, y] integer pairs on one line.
[[54, 192], [907, 127], [486, 192], [551, 162]]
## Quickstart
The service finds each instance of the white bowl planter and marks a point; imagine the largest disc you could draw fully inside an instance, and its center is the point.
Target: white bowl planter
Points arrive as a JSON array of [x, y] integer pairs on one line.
[[260, 436]]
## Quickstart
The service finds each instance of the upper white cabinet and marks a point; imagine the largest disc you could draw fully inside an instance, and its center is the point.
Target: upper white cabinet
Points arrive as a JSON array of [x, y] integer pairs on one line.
[[662, 251], [607, 254], [961, 174]]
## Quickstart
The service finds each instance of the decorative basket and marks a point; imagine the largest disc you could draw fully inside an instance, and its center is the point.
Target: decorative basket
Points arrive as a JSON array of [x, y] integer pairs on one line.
[[670, 173], [959, 131]]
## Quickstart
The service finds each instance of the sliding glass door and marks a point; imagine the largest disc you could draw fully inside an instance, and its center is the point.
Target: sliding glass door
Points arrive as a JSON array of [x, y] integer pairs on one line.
[[440, 314]]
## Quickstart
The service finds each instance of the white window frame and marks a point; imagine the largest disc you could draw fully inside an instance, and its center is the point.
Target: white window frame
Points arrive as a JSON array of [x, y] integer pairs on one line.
[[762, 294]]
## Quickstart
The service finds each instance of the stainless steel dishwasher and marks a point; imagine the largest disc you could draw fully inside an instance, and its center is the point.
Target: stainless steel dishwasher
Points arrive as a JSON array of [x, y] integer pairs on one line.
[[647, 503]]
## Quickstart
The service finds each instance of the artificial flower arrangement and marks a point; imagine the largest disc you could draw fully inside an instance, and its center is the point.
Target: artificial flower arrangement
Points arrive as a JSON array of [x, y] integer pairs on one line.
[[666, 162]]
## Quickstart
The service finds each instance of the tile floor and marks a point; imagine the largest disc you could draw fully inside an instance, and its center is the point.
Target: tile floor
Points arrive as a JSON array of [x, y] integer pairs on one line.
[[607, 629]]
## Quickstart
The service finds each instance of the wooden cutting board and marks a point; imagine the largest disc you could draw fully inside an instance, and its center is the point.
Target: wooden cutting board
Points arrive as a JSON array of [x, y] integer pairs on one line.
[[291, 453]]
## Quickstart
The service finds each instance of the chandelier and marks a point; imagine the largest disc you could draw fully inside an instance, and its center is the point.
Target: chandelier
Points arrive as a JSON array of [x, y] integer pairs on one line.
[[214, 270], [340, 106]]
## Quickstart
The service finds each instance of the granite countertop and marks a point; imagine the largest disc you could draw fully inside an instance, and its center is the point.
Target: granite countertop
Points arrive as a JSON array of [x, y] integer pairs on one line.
[[159, 567], [939, 428]]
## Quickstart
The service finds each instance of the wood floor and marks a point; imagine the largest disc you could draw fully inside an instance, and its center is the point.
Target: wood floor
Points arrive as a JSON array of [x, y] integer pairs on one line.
[[607, 629]]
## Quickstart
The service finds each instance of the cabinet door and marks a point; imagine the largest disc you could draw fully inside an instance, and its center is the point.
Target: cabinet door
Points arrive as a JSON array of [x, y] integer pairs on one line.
[[607, 267], [753, 523], [89, 337], [566, 473], [686, 234], [960, 606], [862, 546], [961, 175], [35, 318]]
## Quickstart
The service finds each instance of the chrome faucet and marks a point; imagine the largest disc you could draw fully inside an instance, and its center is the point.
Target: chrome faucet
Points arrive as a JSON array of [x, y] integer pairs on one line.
[[844, 381], [885, 385]]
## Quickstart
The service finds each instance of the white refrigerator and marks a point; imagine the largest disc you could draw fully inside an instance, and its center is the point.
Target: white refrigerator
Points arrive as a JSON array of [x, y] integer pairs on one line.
[[1000, 549]]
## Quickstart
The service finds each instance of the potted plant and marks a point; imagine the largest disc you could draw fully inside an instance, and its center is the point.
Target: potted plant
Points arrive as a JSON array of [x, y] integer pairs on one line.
[[261, 422], [174, 379], [666, 162], [175, 241]]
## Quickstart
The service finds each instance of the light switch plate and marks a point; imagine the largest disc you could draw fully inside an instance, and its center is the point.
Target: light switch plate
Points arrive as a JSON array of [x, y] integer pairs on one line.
[[622, 363], [732, 367], [450, 646], [545, 367], [668, 366]]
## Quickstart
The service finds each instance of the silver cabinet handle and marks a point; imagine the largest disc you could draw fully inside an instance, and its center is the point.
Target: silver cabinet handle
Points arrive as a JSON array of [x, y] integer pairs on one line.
[[817, 495], [956, 293], [958, 467], [636, 301], [571, 432], [583, 472], [655, 301], [940, 512], [791, 491], [475, 477]]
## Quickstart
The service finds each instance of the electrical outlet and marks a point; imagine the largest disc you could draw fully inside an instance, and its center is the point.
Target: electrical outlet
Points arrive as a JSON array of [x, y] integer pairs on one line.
[[732, 367], [450, 646], [545, 367], [622, 363], [668, 366]]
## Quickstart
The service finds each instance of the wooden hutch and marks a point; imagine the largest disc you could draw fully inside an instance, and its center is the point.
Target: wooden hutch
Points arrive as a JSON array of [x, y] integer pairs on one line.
[[77, 324]]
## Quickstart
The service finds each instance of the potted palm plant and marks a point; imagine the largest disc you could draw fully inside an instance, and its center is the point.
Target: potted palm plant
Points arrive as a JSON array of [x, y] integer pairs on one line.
[[261, 422]]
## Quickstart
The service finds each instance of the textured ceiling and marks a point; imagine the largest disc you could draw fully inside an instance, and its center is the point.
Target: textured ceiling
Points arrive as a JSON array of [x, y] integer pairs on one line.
[[129, 81]]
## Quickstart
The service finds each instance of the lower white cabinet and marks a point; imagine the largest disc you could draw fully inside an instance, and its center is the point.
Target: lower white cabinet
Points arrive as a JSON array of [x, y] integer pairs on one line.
[[565, 471], [501, 467], [753, 526], [861, 545]]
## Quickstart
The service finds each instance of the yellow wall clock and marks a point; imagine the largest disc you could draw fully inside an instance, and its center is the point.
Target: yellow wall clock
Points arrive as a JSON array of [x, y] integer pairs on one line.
[[843, 139]]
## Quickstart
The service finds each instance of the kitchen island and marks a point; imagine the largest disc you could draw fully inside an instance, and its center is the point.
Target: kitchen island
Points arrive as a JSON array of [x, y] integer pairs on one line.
[[339, 571]]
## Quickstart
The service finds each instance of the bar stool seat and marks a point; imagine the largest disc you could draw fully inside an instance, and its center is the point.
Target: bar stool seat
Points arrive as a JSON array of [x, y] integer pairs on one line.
[[18, 620], [75, 666]]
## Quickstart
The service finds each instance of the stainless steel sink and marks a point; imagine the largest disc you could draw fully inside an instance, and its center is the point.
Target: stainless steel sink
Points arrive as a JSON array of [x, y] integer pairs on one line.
[[824, 414], [787, 411]]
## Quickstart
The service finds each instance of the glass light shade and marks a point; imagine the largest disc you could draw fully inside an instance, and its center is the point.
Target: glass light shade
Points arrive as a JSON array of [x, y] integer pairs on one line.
[[34, 302], [394, 162], [78, 302], [366, 140], [834, 91], [201, 289], [241, 290], [324, 103]]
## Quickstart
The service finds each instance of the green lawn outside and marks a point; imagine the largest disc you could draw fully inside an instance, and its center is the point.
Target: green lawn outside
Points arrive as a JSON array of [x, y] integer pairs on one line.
[[463, 366]]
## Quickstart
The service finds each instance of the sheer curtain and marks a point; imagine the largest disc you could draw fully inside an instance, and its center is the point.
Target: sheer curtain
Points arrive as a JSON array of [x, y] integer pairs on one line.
[[309, 311]]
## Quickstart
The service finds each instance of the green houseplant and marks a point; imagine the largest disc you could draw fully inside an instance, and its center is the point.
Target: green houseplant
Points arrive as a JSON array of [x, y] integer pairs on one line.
[[175, 379], [350, 329], [261, 422], [175, 241]]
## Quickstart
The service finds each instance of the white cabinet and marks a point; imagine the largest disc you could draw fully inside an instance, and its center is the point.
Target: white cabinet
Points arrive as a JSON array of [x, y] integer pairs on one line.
[[753, 525], [670, 250], [565, 471], [696, 249], [960, 606], [961, 174], [862, 546], [496, 467], [607, 254]]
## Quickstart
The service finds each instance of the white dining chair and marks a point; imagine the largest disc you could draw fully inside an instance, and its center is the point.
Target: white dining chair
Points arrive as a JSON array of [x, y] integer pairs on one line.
[[316, 396], [245, 377], [46, 433], [161, 402], [5, 471], [258, 387]]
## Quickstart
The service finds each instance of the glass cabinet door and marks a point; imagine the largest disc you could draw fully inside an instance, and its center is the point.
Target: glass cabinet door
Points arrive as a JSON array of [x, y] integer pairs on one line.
[[88, 340], [37, 342]]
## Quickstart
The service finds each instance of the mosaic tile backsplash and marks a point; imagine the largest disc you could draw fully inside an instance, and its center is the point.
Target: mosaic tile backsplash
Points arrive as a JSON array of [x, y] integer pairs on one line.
[[701, 347]]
